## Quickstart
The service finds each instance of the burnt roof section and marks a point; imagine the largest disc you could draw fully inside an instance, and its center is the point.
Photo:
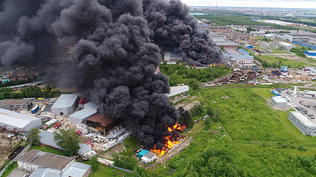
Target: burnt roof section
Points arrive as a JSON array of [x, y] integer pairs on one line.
[[45, 159], [102, 119]]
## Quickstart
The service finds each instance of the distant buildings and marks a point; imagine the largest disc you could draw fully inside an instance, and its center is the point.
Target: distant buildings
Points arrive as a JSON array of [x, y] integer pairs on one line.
[[21, 122], [219, 29], [306, 126], [286, 46], [172, 57], [65, 104], [226, 44], [44, 164]]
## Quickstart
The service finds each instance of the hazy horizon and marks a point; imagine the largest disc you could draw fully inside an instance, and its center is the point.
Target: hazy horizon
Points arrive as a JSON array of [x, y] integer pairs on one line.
[[306, 4]]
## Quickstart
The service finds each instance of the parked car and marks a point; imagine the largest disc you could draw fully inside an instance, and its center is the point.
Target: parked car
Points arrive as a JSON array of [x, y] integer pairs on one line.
[[79, 132], [90, 143]]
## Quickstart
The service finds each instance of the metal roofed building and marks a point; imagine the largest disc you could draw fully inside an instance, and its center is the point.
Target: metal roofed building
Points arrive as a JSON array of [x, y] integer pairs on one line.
[[44, 164], [306, 126], [91, 106], [243, 52], [77, 169], [149, 157], [101, 123], [226, 44], [278, 101], [310, 54], [232, 52], [65, 104], [22, 122], [47, 139], [13, 104], [142, 153], [286, 46], [308, 94], [81, 116], [33, 159], [116, 134], [178, 90]]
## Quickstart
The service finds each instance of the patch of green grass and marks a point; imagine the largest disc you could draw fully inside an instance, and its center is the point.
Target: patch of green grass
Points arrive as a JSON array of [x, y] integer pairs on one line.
[[9, 169], [278, 51], [107, 171], [47, 149], [284, 62]]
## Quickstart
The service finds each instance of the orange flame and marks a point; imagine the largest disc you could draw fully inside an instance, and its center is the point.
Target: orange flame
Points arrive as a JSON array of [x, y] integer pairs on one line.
[[169, 143]]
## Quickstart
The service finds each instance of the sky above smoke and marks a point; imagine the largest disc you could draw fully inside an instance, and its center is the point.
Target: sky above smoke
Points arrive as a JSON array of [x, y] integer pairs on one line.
[[115, 47]]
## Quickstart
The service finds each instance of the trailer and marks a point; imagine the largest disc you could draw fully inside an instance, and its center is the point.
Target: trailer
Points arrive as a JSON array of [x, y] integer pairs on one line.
[[34, 109], [51, 122]]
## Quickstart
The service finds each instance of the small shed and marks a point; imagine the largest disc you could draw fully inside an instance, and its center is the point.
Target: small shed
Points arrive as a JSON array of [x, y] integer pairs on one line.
[[279, 101], [142, 153], [149, 157]]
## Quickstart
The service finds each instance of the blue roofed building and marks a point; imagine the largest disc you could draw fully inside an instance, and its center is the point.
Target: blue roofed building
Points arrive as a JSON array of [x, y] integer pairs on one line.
[[243, 52], [142, 153], [310, 54]]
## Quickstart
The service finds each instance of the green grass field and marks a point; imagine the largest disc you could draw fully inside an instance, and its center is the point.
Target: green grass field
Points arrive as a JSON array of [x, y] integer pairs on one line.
[[284, 62], [264, 142]]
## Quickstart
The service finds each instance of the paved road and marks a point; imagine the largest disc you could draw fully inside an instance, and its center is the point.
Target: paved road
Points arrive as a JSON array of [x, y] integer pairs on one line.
[[22, 152]]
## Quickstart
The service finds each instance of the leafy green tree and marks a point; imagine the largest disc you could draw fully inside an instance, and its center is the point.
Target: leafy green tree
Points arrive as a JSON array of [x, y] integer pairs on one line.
[[68, 140], [34, 137], [94, 163]]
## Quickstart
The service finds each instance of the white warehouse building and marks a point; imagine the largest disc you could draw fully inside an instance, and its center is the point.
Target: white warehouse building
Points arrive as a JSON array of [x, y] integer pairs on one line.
[[22, 122], [278, 101], [306, 126], [65, 104], [178, 90], [286, 46]]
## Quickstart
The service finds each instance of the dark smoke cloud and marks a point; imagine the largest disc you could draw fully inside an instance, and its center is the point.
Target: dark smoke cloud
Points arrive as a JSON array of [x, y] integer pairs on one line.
[[113, 58], [171, 26]]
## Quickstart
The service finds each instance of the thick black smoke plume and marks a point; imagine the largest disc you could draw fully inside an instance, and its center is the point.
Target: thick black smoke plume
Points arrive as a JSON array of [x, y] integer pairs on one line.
[[113, 57]]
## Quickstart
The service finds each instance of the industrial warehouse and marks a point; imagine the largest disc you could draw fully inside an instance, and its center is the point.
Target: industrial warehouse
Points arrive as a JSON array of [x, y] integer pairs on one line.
[[65, 105], [16, 121]]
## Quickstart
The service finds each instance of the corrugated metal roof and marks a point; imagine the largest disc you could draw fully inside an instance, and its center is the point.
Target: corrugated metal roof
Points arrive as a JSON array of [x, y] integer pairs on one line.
[[45, 172], [303, 119], [279, 99], [91, 105], [76, 169], [45, 159], [47, 138], [102, 119], [65, 100], [82, 114], [16, 119], [116, 134], [150, 155]]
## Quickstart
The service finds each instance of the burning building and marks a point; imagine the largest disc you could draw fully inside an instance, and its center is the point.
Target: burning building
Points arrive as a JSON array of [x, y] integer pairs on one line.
[[115, 50]]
